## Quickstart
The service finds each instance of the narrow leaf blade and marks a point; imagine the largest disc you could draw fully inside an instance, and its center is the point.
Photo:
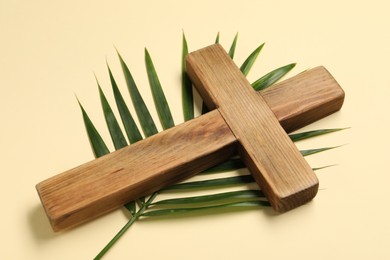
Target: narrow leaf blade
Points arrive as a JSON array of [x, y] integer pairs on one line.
[[272, 77], [187, 95], [215, 183], [309, 134], [147, 124], [323, 167], [317, 150], [248, 63], [160, 102], [217, 38], [131, 128], [247, 194], [232, 49], [229, 165], [116, 133], [163, 212], [98, 146]]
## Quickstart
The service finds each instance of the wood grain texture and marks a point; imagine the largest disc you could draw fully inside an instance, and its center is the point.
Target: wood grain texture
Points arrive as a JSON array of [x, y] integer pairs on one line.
[[274, 161], [304, 98], [97, 187], [108, 182]]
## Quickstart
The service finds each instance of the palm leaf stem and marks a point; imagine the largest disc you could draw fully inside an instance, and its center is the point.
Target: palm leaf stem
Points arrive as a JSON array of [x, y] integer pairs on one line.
[[127, 226]]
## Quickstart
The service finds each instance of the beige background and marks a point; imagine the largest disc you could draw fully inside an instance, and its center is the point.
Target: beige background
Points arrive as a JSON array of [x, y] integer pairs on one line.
[[50, 50]]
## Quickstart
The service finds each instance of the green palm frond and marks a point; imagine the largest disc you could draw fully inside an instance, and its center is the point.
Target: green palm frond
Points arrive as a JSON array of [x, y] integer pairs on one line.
[[309, 134], [98, 146], [248, 63], [211, 183], [147, 124], [272, 77], [243, 198], [116, 133], [317, 150], [187, 95], [230, 205], [241, 194], [229, 165], [133, 134], [217, 38], [162, 107], [232, 49]]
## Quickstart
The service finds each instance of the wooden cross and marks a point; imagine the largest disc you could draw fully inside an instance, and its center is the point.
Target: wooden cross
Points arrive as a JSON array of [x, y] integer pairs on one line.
[[242, 121]]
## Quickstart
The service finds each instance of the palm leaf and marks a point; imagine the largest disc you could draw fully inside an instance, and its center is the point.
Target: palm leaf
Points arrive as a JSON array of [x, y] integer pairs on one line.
[[187, 95], [250, 203], [232, 49], [128, 122], [162, 107], [229, 200], [116, 133], [309, 134], [314, 151], [98, 146], [213, 183], [272, 77], [323, 167], [247, 194], [248, 63], [229, 165], [217, 38], [231, 181], [234, 164], [144, 117]]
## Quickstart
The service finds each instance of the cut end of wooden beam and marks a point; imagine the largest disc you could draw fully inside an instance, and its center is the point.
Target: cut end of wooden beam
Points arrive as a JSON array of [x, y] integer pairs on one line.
[[284, 191], [297, 199]]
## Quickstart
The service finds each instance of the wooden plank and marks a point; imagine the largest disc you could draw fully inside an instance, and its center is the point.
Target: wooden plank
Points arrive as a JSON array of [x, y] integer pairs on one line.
[[108, 182], [274, 161]]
